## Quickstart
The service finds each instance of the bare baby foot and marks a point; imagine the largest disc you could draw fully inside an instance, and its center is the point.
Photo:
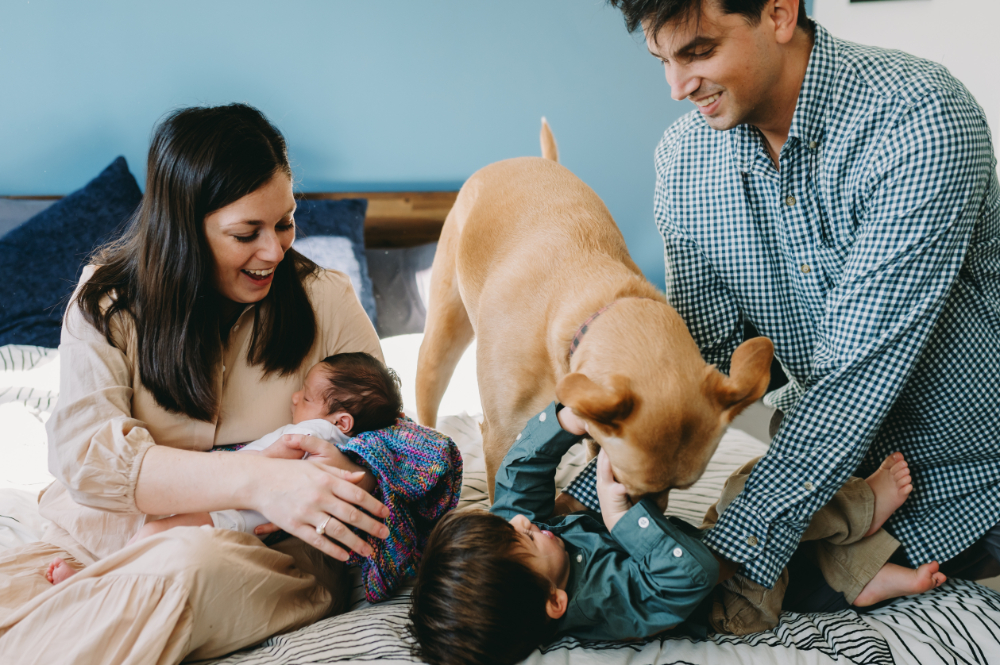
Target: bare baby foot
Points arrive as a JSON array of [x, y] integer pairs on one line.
[[891, 485], [59, 571], [893, 581]]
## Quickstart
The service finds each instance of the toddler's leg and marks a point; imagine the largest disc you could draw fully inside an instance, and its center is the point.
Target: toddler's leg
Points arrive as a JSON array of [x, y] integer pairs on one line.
[[854, 548], [893, 581], [734, 485], [861, 507], [742, 607]]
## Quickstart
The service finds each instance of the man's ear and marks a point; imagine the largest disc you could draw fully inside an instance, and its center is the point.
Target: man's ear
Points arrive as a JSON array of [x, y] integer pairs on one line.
[[343, 420], [594, 402], [783, 14], [556, 605], [749, 374]]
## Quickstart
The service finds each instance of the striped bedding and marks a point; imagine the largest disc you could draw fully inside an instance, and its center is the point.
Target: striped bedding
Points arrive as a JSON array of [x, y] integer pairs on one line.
[[958, 623]]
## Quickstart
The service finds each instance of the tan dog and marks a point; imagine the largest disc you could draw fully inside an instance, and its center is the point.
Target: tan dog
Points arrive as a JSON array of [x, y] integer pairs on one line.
[[526, 256]]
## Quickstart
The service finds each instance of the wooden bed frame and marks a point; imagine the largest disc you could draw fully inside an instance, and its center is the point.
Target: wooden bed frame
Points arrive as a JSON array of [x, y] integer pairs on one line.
[[394, 219]]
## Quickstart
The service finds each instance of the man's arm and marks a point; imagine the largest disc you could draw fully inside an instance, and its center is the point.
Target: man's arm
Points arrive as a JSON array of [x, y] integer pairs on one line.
[[922, 198], [525, 484]]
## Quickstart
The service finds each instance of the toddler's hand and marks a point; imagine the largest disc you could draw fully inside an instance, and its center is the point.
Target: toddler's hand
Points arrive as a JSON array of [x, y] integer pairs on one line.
[[571, 422], [611, 494]]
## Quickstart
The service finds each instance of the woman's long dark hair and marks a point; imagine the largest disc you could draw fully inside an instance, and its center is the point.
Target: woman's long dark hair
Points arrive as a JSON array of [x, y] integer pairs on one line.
[[161, 271]]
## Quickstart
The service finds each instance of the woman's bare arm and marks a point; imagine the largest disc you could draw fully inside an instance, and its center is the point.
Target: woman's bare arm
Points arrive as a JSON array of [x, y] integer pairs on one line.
[[296, 495]]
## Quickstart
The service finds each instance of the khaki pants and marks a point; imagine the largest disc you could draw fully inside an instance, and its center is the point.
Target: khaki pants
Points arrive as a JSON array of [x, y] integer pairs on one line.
[[847, 559], [191, 592]]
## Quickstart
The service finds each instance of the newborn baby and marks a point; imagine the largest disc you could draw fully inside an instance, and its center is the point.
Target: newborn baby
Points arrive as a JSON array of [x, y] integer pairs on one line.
[[342, 396]]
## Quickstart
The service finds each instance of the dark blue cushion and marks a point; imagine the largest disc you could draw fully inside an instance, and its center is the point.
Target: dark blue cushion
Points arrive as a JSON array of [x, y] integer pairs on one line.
[[45, 255], [332, 233]]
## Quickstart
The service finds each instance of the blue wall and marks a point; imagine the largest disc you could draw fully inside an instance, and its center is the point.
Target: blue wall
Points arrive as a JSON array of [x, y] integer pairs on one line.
[[370, 95]]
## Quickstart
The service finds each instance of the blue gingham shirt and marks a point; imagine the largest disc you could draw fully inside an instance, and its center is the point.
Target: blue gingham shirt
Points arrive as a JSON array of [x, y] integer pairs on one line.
[[872, 260]]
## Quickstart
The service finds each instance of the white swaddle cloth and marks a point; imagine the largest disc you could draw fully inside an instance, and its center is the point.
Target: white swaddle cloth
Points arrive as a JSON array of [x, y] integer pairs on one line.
[[248, 520]]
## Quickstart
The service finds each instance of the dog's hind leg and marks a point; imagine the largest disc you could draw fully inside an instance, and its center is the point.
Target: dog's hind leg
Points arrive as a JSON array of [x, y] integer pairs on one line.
[[448, 331]]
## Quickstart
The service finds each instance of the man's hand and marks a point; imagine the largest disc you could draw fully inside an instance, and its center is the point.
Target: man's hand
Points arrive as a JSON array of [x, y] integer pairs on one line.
[[611, 494]]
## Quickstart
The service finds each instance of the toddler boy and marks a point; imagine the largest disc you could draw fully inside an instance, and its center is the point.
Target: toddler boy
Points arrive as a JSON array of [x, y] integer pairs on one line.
[[499, 584]]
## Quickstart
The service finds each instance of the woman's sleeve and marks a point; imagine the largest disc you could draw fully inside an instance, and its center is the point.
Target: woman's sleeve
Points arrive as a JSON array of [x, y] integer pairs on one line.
[[95, 446]]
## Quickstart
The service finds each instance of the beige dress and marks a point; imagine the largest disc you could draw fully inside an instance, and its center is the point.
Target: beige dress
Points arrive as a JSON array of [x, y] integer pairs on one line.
[[195, 592]]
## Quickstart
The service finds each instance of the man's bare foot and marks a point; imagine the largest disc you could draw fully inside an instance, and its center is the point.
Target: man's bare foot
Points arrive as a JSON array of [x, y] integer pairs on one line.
[[891, 485], [893, 581], [59, 571]]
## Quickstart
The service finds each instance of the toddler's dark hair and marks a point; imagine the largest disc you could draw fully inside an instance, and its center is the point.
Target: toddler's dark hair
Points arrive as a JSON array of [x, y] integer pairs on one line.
[[364, 387], [474, 601]]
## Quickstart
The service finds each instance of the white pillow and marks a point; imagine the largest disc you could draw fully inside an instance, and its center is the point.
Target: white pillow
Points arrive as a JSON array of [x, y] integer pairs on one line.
[[332, 253]]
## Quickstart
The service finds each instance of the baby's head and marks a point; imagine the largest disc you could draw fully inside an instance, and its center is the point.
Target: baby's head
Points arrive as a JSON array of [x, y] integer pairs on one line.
[[487, 591], [354, 391]]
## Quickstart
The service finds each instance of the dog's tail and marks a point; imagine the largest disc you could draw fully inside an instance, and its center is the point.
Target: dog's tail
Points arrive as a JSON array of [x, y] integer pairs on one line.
[[549, 149]]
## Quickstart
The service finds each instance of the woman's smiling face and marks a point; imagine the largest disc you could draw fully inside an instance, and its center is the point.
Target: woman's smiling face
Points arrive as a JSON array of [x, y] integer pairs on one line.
[[249, 237]]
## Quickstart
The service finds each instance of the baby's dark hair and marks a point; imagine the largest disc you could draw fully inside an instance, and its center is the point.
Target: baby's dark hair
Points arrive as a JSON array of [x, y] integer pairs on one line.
[[474, 601], [365, 388]]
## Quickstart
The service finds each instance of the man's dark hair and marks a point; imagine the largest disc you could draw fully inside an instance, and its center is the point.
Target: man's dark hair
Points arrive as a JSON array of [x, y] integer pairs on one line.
[[661, 12], [364, 387], [474, 601]]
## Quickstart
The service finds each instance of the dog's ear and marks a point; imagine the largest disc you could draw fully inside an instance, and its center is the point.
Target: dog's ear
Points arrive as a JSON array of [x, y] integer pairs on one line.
[[749, 374], [595, 402]]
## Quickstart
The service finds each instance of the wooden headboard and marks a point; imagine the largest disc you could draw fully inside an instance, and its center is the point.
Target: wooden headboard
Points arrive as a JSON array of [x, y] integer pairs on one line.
[[398, 219], [394, 219]]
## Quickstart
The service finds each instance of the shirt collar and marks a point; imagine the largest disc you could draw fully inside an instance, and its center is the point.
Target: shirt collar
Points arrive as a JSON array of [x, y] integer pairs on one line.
[[808, 122], [809, 119]]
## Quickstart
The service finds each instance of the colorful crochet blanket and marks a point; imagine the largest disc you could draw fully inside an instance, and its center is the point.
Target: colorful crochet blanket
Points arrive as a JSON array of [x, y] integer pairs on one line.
[[419, 476]]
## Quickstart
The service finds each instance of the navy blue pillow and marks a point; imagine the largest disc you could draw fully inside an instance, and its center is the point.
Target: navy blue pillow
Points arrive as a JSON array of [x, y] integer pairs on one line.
[[332, 233], [45, 256]]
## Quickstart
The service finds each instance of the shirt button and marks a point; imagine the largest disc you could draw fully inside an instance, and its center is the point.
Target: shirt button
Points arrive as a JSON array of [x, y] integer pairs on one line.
[[789, 200], [541, 417], [752, 541], [809, 487], [678, 551], [643, 522], [805, 269], [813, 145], [579, 558], [518, 438], [223, 368]]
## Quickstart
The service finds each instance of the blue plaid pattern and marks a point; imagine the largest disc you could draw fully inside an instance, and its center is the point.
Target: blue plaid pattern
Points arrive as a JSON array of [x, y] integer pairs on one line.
[[584, 486], [872, 260]]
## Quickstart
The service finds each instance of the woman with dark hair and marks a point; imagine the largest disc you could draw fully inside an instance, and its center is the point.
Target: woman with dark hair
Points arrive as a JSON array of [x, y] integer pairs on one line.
[[191, 333]]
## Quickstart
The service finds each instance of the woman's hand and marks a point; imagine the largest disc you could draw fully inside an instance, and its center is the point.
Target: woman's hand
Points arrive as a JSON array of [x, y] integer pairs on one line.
[[297, 446], [296, 495], [299, 497], [611, 494]]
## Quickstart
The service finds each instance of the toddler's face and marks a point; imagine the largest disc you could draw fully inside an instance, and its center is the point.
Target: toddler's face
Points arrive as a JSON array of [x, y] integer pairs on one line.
[[546, 552], [309, 403]]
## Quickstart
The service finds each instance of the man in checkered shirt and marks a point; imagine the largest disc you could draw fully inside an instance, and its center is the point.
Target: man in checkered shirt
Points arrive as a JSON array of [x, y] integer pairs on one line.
[[844, 200]]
